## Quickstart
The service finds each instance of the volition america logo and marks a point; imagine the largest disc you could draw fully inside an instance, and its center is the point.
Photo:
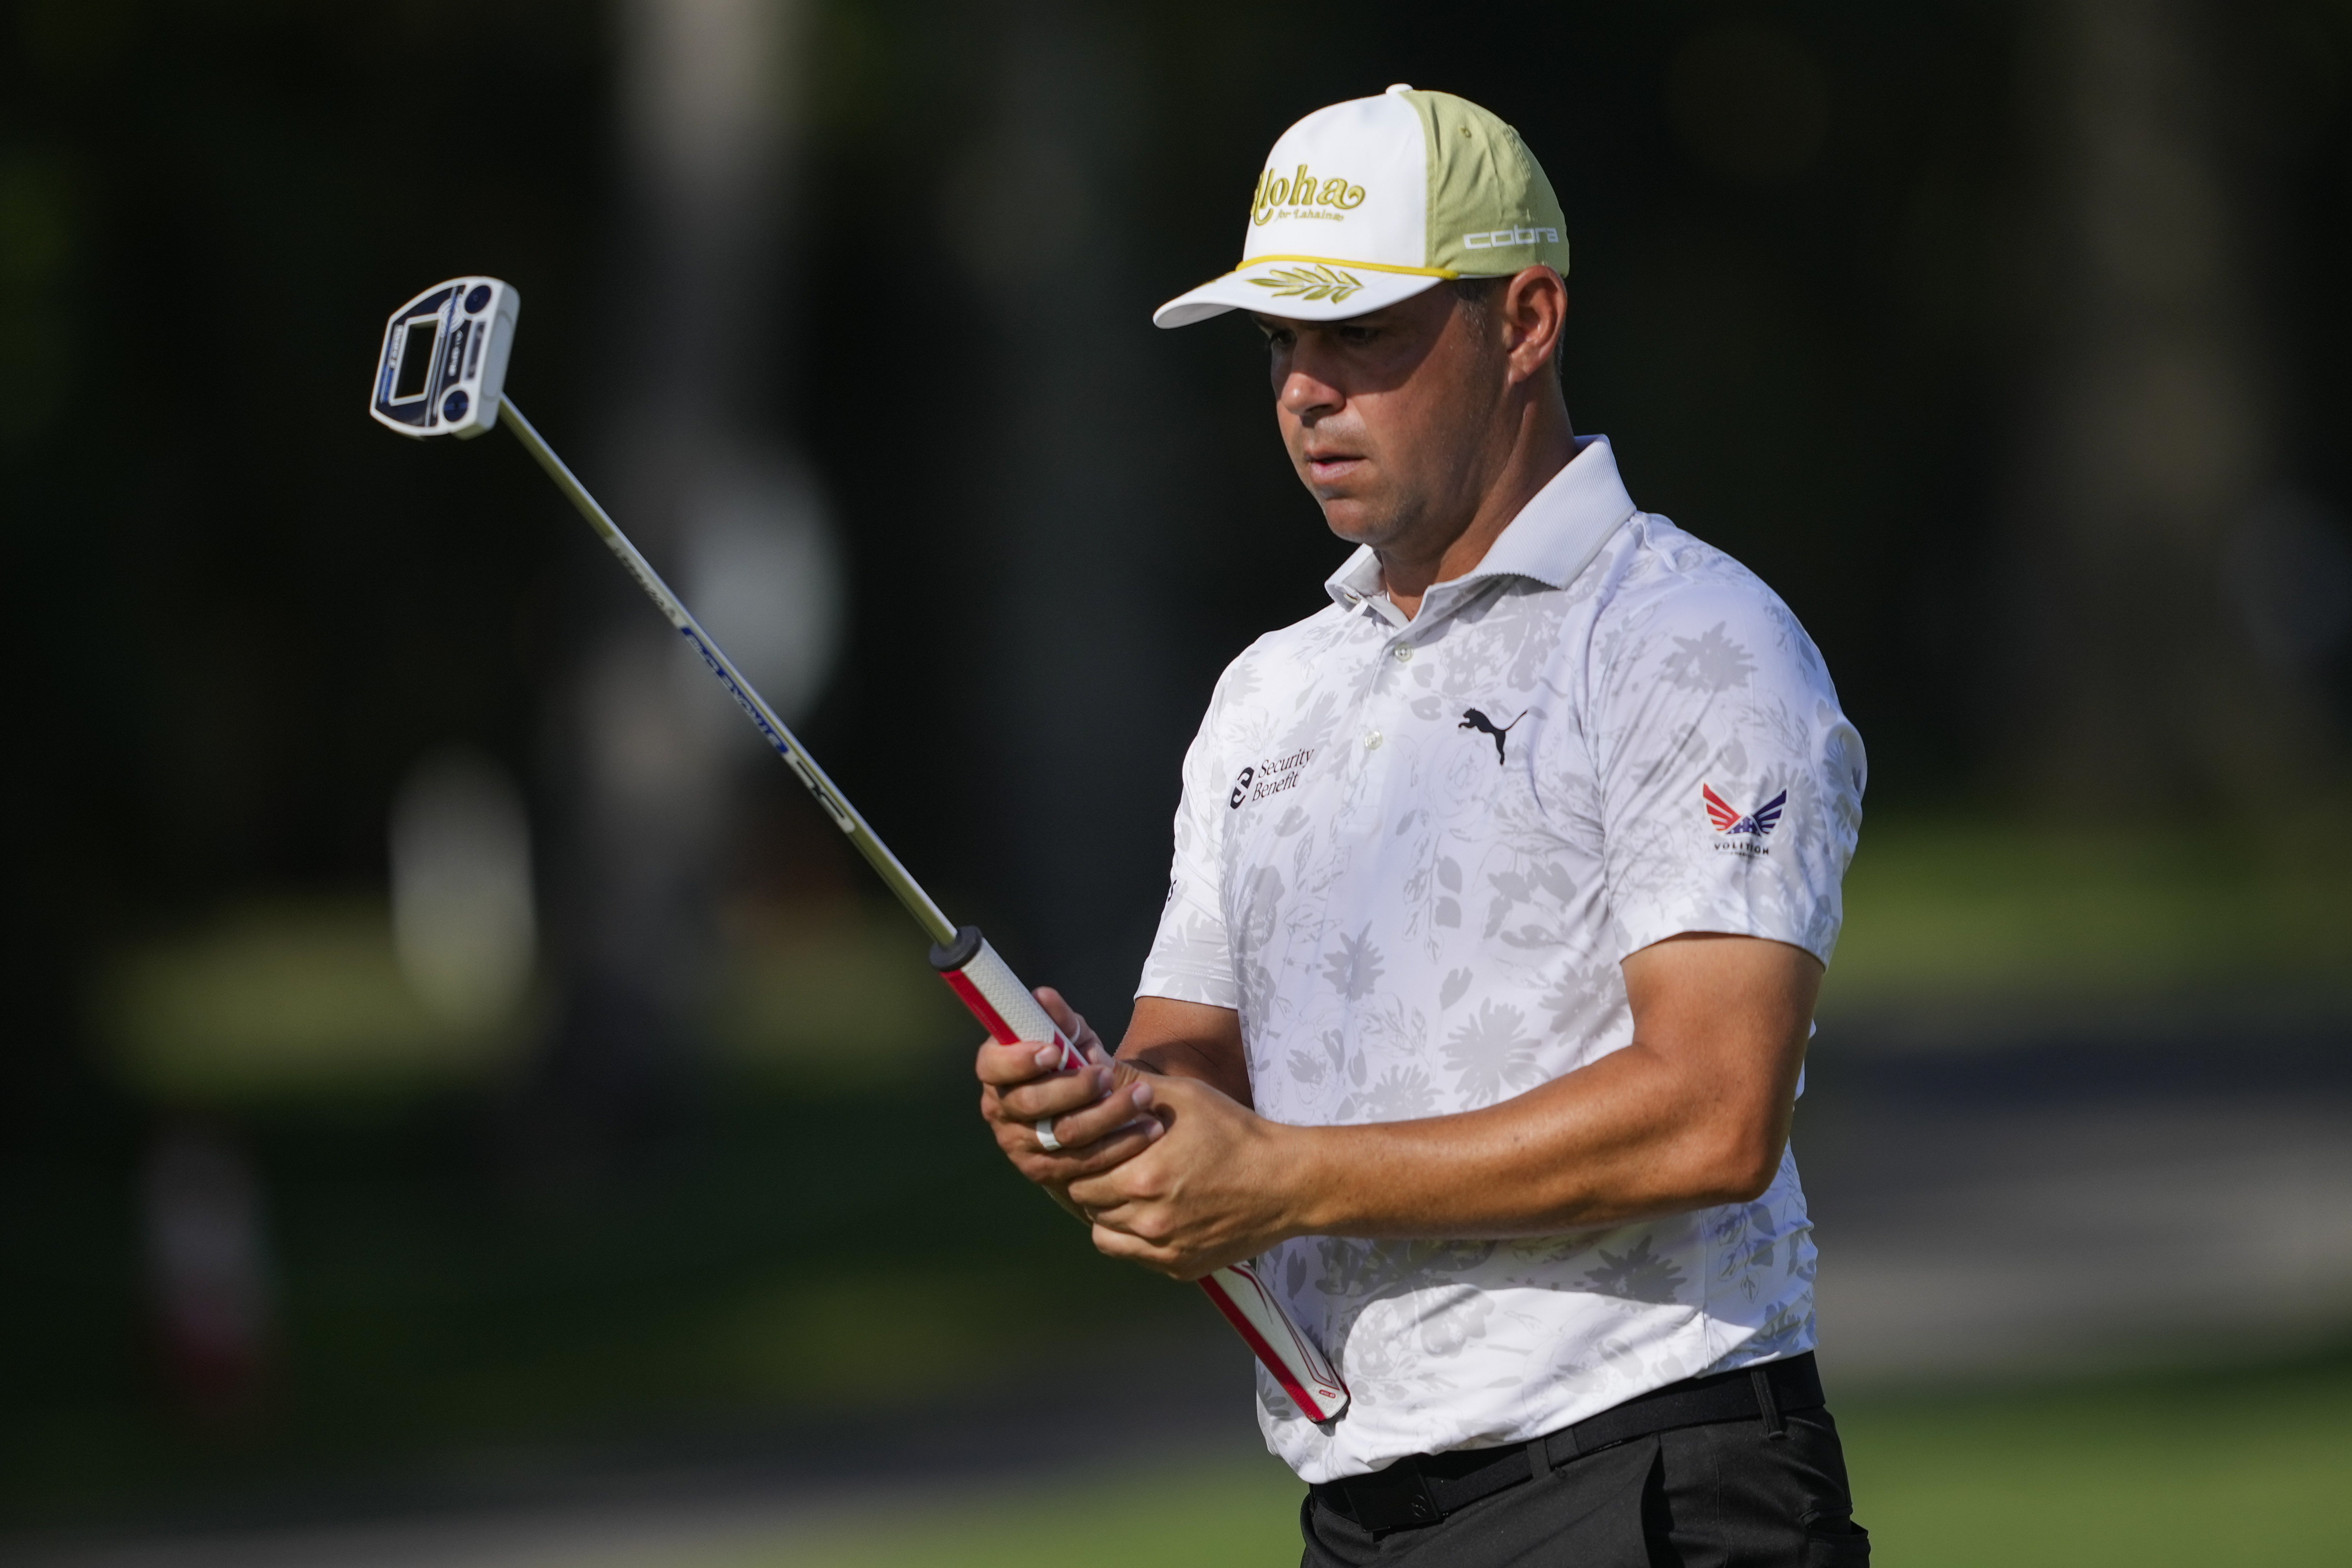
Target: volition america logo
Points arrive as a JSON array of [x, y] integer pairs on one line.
[[1743, 832]]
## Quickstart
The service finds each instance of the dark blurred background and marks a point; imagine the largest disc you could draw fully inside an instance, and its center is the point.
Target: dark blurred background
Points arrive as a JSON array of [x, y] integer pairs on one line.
[[437, 1027]]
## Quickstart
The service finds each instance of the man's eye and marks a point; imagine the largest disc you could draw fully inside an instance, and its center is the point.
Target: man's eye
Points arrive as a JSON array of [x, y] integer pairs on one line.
[[1359, 336]]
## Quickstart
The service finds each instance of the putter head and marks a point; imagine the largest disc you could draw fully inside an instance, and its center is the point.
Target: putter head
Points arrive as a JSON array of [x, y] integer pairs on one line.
[[445, 359]]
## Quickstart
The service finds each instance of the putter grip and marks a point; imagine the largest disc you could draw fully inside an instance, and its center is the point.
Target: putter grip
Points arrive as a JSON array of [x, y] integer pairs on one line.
[[986, 985]]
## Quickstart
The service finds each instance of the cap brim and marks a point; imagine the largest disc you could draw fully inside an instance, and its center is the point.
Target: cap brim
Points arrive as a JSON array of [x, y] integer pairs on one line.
[[1323, 292]]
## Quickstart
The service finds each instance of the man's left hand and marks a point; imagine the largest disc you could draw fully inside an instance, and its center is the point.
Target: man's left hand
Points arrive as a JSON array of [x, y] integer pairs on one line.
[[1217, 1187]]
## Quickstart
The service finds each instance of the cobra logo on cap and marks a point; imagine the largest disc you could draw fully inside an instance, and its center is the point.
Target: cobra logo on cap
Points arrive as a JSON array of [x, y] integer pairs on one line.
[[1503, 236]]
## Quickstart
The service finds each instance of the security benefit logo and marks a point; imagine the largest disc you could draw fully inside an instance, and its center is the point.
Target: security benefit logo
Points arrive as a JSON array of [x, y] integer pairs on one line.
[[1742, 832], [1271, 777]]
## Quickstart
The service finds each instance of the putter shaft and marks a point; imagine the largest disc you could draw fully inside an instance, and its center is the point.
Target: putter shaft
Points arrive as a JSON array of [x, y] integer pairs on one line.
[[844, 815], [970, 967]]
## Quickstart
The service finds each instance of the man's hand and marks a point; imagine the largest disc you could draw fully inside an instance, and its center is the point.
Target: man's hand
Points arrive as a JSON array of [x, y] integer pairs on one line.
[[1212, 1192], [1212, 1200], [1099, 1112]]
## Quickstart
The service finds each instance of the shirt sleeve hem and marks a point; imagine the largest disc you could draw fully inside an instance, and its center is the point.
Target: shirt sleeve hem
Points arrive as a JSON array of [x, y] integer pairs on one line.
[[1649, 933], [1202, 992]]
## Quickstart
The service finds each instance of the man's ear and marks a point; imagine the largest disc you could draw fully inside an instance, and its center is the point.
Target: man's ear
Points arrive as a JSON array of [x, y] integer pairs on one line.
[[1535, 313]]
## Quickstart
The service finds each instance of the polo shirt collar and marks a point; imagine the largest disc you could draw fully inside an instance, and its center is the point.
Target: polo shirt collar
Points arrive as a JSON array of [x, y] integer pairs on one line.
[[1553, 540]]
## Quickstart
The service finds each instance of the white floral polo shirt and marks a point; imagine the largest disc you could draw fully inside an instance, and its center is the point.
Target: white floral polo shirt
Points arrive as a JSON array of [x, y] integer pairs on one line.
[[1412, 855]]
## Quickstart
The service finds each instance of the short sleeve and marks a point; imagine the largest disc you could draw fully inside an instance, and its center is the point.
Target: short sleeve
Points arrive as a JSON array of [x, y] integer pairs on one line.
[[1191, 958], [1731, 782]]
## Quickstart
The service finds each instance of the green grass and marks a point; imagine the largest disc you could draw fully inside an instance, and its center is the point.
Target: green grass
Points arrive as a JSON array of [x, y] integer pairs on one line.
[[2250, 1470], [2250, 1467], [1183, 1516], [279, 1002], [1940, 913]]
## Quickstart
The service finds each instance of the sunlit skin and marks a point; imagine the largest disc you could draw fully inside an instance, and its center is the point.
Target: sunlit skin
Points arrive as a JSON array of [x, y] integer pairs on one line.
[[1422, 430]]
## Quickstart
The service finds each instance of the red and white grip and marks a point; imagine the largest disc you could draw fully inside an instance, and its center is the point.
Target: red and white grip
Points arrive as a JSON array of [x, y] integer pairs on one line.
[[986, 985], [1006, 1009]]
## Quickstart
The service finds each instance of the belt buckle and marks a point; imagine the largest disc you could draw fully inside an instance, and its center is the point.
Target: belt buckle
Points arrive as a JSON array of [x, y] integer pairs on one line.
[[1396, 1498]]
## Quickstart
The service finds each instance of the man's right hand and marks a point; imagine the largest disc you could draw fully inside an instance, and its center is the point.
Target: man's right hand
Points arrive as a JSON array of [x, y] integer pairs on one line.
[[1100, 1113]]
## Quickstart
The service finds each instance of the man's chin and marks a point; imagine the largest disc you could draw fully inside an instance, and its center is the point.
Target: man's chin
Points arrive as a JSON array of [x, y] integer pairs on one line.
[[1354, 521]]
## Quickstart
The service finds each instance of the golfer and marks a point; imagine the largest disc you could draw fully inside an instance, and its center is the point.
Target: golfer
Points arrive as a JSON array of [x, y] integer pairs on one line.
[[1503, 887]]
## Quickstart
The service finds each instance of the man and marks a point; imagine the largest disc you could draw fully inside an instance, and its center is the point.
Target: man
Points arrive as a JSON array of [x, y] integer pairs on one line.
[[1502, 888]]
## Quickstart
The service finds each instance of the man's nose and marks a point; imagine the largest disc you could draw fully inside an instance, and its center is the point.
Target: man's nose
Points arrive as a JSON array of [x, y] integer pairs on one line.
[[1308, 397]]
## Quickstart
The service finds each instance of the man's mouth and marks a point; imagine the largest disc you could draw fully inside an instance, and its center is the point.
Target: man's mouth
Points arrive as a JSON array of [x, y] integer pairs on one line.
[[1329, 466]]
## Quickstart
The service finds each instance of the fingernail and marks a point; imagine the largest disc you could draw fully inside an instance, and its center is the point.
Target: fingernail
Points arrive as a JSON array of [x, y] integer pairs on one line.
[[1049, 1056], [1143, 1095], [1153, 1129], [1103, 1076]]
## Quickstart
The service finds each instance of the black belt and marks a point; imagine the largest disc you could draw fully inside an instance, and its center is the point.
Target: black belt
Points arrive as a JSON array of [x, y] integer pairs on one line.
[[1422, 1489]]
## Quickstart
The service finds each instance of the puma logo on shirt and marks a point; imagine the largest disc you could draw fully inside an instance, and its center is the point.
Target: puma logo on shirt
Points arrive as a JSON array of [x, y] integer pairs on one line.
[[1473, 720]]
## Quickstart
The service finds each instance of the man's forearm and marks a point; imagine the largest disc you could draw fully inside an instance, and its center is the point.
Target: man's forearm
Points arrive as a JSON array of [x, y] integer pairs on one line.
[[1629, 1137], [1188, 1039], [1694, 1113]]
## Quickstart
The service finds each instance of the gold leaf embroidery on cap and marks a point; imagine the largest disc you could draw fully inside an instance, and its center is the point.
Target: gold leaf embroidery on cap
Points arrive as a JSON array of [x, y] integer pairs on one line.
[[1310, 283]]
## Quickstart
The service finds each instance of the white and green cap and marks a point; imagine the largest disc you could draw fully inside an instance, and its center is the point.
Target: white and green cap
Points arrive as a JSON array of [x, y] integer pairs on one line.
[[1371, 201]]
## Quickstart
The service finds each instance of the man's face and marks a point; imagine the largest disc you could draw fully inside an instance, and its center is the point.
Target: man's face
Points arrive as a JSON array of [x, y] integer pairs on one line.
[[1390, 417]]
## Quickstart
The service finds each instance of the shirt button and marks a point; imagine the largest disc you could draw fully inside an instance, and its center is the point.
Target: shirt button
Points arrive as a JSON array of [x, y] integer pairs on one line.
[[1404, 654], [1372, 741]]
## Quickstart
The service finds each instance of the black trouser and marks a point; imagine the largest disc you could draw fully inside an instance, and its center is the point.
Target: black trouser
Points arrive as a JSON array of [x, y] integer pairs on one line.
[[1765, 1489]]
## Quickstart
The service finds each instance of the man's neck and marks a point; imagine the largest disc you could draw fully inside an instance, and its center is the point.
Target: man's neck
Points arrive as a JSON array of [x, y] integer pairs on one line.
[[1544, 444]]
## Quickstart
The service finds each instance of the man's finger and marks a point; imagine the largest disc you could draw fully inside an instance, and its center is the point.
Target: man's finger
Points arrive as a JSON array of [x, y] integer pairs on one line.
[[1057, 1096], [1075, 1164], [1117, 1193], [1061, 1012], [1075, 1128], [1118, 1244], [1015, 1063]]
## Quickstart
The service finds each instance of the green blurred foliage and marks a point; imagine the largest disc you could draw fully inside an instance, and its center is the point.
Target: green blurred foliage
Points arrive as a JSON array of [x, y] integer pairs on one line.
[[271, 1001], [1803, 307]]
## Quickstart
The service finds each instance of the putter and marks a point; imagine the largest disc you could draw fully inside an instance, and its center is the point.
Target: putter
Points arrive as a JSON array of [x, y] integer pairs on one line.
[[443, 372]]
